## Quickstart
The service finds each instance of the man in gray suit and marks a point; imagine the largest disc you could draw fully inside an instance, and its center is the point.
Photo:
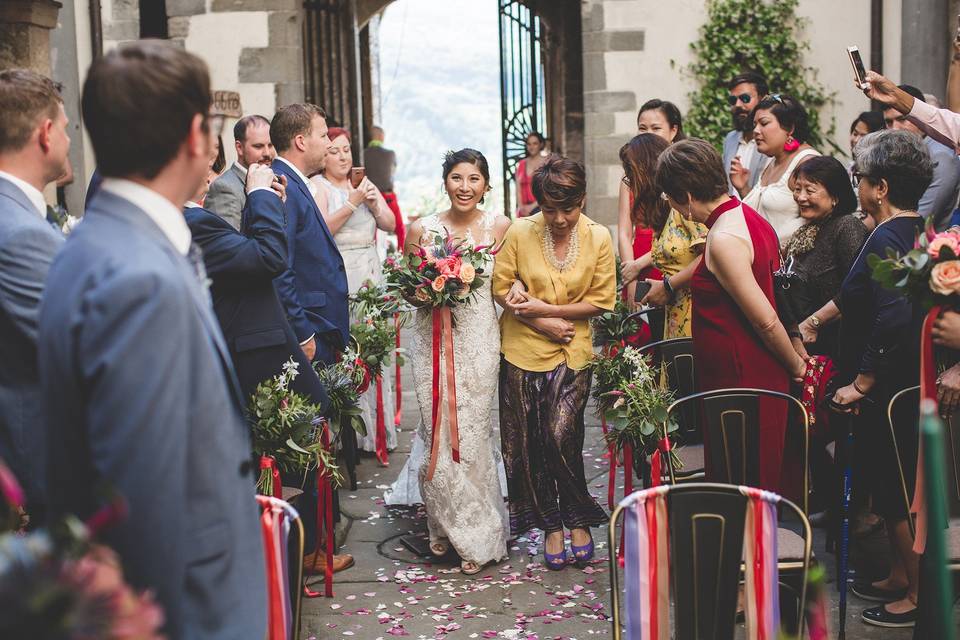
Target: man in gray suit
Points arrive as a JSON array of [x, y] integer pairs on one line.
[[227, 195], [33, 153], [740, 153], [143, 400]]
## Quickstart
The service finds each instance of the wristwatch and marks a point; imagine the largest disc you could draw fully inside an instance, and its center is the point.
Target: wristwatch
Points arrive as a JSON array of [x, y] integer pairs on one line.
[[815, 321]]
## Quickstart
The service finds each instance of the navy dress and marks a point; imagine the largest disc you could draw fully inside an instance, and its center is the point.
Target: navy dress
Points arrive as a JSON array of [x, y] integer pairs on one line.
[[880, 334]]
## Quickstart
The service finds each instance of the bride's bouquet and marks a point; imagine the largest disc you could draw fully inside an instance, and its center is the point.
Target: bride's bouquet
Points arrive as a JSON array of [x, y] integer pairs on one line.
[[444, 273], [929, 274]]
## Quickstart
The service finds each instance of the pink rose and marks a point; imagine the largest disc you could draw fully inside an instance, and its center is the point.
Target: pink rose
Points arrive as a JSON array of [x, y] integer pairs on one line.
[[946, 239], [449, 266], [945, 278]]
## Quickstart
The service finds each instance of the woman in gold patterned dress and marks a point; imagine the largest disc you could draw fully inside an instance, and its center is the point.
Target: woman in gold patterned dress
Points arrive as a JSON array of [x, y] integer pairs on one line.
[[678, 246]]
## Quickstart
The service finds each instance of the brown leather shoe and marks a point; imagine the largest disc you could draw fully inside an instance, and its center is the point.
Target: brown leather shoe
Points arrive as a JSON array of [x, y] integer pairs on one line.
[[315, 563]]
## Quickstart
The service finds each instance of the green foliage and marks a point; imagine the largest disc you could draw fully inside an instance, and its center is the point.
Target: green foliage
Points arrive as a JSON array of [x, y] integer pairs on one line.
[[752, 35], [340, 380]]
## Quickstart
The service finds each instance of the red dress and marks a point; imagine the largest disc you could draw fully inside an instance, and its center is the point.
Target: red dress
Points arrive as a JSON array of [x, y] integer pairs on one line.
[[526, 185], [730, 354]]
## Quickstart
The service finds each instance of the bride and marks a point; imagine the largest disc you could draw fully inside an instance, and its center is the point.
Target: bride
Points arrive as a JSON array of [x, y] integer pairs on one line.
[[463, 500]]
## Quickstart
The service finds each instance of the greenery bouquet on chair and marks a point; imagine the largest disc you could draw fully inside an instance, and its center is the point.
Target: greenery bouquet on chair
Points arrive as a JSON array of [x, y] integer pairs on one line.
[[287, 432], [635, 407]]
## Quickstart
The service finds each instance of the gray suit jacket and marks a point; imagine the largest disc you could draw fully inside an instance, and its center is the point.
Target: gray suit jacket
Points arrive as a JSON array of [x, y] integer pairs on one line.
[[228, 196], [27, 246], [730, 144], [147, 405], [940, 198]]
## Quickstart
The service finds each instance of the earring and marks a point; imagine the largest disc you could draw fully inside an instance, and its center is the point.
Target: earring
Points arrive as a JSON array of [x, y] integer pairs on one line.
[[689, 214], [791, 144]]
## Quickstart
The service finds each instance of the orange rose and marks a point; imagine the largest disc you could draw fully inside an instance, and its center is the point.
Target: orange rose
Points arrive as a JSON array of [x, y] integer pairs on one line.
[[467, 273], [945, 278], [439, 283]]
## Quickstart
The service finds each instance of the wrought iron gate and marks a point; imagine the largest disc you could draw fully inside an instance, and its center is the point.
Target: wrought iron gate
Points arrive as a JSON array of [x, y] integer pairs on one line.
[[522, 88]]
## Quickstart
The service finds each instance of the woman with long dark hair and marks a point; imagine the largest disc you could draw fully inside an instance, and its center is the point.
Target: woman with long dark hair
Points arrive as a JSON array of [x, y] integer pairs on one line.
[[535, 146], [677, 244]]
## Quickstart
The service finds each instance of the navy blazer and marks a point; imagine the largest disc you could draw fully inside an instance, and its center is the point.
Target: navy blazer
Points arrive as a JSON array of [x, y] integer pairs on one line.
[[314, 288], [242, 268], [143, 401], [27, 247]]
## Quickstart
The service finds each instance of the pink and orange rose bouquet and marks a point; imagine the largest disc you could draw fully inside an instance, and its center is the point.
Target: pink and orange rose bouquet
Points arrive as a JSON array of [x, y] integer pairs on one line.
[[929, 274], [444, 273]]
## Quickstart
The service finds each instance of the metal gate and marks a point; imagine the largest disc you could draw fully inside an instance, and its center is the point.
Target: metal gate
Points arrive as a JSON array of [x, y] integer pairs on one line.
[[522, 88]]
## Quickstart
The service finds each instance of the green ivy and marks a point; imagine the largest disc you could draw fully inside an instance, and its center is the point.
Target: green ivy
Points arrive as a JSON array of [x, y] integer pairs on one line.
[[752, 35]]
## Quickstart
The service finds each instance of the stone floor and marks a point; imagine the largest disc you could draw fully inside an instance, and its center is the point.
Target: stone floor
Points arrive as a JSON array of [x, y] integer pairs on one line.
[[393, 593]]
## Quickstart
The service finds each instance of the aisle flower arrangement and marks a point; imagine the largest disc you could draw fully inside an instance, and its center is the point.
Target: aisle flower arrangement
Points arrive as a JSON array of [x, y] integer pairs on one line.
[[341, 382], [287, 431], [614, 330]]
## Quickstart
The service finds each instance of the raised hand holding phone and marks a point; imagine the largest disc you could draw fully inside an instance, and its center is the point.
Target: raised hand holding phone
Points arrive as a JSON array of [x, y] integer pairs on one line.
[[859, 71]]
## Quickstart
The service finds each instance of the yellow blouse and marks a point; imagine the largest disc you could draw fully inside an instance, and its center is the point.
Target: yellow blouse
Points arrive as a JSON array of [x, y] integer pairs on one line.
[[592, 279]]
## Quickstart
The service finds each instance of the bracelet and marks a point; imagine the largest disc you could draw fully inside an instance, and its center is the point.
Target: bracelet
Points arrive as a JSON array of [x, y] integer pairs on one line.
[[669, 287], [351, 206], [858, 389]]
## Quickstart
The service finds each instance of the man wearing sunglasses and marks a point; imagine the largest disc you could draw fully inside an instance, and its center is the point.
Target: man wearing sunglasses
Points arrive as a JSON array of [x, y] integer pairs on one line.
[[739, 149]]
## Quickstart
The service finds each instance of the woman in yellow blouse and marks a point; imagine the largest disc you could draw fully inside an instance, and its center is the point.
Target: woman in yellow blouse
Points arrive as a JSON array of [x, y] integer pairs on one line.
[[678, 245], [564, 276]]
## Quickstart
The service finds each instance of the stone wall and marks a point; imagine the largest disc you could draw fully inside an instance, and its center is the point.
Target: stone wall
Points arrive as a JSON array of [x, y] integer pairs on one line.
[[635, 50]]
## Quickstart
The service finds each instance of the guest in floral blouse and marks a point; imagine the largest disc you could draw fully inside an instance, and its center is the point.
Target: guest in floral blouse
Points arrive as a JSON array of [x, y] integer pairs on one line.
[[678, 245]]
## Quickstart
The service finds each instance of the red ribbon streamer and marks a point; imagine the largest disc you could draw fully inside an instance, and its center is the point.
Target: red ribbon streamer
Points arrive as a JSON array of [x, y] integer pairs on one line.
[[928, 390], [656, 462], [381, 441], [654, 530], [612, 478], [277, 628], [396, 373], [267, 462], [324, 521], [627, 489], [443, 331]]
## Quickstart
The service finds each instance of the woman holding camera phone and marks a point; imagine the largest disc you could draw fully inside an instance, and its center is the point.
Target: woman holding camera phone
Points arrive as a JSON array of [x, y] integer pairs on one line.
[[354, 209]]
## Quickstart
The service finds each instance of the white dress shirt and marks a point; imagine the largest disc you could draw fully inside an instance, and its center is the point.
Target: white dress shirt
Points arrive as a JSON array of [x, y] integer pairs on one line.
[[33, 194], [161, 211], [310, 186]]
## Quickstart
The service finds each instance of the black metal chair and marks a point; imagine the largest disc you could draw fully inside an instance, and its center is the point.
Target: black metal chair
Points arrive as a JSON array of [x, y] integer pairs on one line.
[[706, 524], [676, 357]]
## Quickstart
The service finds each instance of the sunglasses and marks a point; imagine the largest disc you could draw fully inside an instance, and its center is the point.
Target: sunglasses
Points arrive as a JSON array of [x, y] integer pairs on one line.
[[745, 98]]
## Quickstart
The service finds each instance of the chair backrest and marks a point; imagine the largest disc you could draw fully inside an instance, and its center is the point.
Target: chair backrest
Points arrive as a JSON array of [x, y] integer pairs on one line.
[[284, 573], [706, 523], [731, 420], [905, 405], [676, 356]]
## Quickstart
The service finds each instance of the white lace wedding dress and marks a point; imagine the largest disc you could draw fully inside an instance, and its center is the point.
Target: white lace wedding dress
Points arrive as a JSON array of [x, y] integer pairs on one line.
[[463, 501]]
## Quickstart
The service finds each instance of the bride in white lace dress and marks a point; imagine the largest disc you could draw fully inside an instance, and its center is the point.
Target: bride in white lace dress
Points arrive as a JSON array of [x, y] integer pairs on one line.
[[463, 500]]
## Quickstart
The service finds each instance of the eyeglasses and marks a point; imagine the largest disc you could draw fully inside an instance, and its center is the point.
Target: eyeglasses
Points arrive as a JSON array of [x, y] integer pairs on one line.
[[857, 177], [745, 98]]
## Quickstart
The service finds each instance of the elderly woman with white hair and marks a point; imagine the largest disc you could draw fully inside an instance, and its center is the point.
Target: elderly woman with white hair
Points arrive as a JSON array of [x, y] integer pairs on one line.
[[879, 354]]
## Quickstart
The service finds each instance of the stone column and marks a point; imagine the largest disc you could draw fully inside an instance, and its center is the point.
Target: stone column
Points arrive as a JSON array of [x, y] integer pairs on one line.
[[927, 31], [25, 33]]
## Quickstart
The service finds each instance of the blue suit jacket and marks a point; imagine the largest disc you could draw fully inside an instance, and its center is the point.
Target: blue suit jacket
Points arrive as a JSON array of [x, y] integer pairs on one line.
[[314, 287], [242, 267], [27, 247], [143, 401]]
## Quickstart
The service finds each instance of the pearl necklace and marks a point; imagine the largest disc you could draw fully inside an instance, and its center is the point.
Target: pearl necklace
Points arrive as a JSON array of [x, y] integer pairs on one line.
[[550, 253]]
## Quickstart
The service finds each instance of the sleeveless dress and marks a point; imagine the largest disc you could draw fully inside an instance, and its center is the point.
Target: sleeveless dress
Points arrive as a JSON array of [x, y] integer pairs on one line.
[[729, 353], [356, 240], [775, 201], [463, 501], [526, 185]]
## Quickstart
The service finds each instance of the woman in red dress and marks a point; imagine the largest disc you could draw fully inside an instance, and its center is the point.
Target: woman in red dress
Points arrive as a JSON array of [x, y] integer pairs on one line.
[[536, 144], [738, 340]]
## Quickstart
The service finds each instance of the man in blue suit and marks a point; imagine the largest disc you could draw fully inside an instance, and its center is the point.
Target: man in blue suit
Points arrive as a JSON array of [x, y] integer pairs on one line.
[[314, 287], [143, 400], [33, 153]]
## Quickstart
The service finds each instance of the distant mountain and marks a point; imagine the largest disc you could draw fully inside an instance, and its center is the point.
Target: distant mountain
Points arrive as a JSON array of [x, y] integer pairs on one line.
[[440, 82]]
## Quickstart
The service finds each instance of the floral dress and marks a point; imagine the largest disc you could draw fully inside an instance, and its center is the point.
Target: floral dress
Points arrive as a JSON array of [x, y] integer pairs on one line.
[[679, 244]]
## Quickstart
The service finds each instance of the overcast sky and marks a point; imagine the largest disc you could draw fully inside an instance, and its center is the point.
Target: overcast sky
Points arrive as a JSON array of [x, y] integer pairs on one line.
[[440, 75]]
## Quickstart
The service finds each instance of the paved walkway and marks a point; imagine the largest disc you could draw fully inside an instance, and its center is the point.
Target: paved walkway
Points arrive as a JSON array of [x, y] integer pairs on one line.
[[393, 593]]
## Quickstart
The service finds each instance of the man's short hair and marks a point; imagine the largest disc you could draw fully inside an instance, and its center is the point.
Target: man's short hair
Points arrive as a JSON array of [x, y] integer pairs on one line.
[[25, 98], [243, 125], [291, 121], [913, 91], [139, 102], [750, 77]]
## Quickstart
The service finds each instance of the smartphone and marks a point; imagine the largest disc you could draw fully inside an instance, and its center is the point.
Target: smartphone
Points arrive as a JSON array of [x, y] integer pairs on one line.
[[859, 71], [357, 174], [643, 288]]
